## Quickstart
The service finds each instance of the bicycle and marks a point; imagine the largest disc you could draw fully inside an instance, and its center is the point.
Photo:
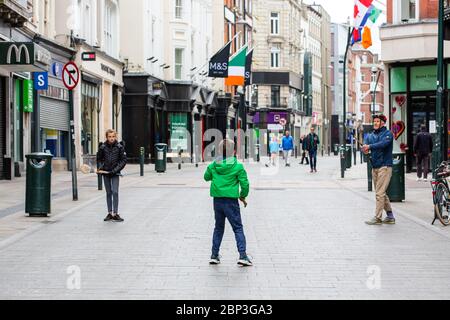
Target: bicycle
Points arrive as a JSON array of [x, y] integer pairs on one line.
[[441, 194]]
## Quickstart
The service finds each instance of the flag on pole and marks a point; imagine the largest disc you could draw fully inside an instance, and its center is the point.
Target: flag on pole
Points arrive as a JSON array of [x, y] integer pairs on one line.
[[236, 68], [360, 11], [367, 38], [218, 65], [248, 68]]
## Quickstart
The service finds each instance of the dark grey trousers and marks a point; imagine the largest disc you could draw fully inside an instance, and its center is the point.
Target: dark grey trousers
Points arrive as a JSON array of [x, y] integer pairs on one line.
[[112, 193], [423, 163]]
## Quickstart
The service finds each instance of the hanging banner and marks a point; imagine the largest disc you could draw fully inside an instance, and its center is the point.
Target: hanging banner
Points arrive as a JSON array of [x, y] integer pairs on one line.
[[248, 68], [218, 65], [27, 96]]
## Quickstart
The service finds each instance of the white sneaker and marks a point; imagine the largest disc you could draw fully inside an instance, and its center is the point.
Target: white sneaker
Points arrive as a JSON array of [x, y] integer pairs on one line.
[[419, 179], [425, 180]]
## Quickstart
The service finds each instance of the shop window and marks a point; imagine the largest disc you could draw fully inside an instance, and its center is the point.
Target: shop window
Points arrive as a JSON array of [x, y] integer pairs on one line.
[[178, 126], [398, 80], [90, 109], [55, 142]]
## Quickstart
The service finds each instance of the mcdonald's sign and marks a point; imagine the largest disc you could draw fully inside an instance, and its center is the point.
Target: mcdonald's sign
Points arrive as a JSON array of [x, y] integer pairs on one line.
[[24, 57]]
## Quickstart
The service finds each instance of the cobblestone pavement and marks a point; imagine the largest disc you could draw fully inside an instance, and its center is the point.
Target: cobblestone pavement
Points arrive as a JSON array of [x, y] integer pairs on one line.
[[305, 231]]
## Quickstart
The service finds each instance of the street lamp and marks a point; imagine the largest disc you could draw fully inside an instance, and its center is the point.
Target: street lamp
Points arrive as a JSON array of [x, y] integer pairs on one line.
[[438, 152], [376, 74]]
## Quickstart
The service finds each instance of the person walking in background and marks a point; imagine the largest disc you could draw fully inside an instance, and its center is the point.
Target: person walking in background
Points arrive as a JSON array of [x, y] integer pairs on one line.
[[226, 175], [274, 148], [381, 144], [423, 148], [112, 159], [305, 155], [288, 147], [312, 145]]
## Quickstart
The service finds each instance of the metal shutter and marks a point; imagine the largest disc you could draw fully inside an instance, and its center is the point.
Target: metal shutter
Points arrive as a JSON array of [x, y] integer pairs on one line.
[[2, 126], [54, 114]]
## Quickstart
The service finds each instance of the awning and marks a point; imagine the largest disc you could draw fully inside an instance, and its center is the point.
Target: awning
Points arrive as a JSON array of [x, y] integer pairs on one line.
[[24, 57]]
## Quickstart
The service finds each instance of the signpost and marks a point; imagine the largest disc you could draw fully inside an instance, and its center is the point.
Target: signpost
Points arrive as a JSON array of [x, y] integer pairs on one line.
[[71, 77]]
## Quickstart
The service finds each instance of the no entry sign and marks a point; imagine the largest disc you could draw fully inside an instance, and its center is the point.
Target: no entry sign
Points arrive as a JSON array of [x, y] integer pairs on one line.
[[71, 75]]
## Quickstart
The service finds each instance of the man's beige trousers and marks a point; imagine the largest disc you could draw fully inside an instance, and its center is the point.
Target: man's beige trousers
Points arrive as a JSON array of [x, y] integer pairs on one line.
[[381, 179]]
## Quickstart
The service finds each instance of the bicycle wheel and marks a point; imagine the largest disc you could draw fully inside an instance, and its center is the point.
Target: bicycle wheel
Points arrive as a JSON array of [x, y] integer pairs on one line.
[[442, 204]]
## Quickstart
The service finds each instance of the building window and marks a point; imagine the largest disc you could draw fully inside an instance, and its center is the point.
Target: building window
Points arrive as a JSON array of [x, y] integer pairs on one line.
[[408, 9], [275, 57], [275, 23], [275, 97], [86, 21], [179, 53], [110, 28], [178, 9]]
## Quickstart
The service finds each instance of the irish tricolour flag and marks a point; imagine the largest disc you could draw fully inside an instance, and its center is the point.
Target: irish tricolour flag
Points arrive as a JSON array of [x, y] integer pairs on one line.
[[236, 68]]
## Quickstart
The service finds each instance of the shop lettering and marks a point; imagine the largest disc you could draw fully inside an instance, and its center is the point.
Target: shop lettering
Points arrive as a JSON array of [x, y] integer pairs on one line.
[[219, 66], [108, 69]]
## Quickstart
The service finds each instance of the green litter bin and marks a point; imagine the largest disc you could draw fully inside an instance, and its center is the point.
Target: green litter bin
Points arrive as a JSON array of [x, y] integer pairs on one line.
[[161, 157], [38, 184], [396, 191], [348, 156]]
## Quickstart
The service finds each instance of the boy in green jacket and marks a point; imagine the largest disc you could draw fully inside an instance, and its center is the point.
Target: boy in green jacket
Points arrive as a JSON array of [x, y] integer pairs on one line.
[[226, 175]]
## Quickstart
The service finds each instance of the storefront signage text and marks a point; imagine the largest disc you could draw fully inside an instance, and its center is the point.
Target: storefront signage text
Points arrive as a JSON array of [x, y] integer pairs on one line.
[[109, 70]]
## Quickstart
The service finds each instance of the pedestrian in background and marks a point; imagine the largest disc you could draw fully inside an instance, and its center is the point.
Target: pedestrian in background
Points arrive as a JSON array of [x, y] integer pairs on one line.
[[381, 143], [312, 145], [274, 148], [423, 148], [229, 185], [305, 155], [112, 159], [288, 147]]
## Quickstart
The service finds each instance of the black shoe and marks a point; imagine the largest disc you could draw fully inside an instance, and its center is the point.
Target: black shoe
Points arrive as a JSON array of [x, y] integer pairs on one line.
[[117, 218], [109, 217], [245, 262], [215, 260]]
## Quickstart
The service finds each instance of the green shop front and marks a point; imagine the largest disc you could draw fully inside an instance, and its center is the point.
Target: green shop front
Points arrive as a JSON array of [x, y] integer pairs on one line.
[[413, 89]]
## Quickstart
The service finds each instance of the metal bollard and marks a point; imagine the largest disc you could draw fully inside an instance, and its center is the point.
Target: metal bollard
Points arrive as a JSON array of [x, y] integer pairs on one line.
[[296, 152], [179, 159], [343, 161], [142, 160], [99, 176], [258, 154]]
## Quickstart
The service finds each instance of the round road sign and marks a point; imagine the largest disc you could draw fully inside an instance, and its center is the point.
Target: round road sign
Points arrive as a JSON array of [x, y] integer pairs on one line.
[[71, 75]]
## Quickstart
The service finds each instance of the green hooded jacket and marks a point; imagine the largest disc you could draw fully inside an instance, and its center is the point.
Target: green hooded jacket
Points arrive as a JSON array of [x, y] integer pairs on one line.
[[226, 177]]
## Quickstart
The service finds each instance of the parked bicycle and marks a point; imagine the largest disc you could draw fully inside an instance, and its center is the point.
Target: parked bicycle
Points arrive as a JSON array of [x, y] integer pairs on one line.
[[441, 194]]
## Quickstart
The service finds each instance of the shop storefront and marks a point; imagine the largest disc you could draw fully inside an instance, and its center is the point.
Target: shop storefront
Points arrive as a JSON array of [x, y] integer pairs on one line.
[[413, 104], [276, 124], [98, 100], [174, 113], [52, 108], [18, 61]]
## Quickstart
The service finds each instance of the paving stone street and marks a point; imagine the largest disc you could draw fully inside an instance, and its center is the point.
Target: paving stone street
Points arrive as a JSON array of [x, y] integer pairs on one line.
[[305, 232]]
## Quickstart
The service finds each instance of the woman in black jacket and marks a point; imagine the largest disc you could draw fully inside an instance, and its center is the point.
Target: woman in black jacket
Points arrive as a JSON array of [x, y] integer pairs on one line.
[[112, 158]]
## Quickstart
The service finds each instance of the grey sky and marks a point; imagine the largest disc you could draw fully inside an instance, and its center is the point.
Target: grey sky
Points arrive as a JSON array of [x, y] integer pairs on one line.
[[341, 9]]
